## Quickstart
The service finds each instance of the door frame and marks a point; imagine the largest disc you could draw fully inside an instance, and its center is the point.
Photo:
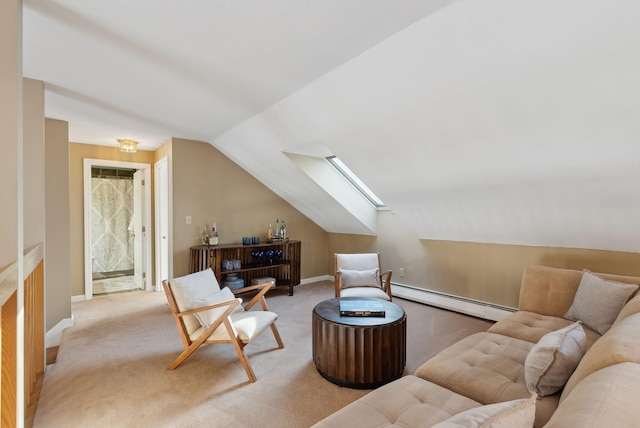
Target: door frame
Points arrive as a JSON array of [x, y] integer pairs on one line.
[[88, 164], [139, 231], [162, 215]]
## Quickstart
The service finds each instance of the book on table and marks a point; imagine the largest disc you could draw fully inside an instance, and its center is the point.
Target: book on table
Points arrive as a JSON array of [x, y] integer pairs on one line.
[[361, 308]]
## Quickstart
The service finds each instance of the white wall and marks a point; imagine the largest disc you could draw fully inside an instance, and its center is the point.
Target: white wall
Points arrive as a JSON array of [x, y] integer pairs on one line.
[[33, 160], [495, 121], [10, 125], [57, 224]]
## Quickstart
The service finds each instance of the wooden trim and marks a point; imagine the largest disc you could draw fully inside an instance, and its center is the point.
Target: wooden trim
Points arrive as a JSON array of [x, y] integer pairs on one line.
[[34, 352], [9, 363], [32, 259], [33, 341], [8, 282], [8, 274]]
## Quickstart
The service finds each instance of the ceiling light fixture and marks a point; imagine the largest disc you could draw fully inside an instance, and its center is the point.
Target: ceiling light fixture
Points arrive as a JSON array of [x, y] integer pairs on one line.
[[128, 146]]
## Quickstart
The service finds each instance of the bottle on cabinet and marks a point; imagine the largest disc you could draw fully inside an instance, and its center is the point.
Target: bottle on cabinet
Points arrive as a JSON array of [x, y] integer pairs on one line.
[[283, 230], [270, 232], [213, 238]]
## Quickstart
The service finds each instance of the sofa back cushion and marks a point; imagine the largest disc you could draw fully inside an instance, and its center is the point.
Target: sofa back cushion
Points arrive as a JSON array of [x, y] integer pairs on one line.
[[531, 327], [605, 398], [620, 344], [550, 291], [632, 307]]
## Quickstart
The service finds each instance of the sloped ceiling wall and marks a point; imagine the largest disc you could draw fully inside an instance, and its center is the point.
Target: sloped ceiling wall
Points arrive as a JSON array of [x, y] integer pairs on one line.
[[492, 121]]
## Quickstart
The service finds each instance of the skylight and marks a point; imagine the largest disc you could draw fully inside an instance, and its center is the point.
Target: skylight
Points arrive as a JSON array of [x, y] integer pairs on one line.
[[355, 181]]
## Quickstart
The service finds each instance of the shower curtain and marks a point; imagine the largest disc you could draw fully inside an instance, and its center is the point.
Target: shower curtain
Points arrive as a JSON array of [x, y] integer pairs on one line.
[[111, 214]]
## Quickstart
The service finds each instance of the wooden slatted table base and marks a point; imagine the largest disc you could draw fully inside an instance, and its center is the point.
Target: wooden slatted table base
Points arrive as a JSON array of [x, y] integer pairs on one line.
[[359, 352]]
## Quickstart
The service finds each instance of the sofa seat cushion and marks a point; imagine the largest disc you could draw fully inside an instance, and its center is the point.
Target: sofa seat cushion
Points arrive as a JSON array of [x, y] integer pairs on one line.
[[405, 402], [620, 344], [605, 398], [488, 368], [531, 327]]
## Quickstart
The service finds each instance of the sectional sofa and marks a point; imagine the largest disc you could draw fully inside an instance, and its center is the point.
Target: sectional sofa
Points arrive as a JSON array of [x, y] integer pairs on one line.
[[569, 357]]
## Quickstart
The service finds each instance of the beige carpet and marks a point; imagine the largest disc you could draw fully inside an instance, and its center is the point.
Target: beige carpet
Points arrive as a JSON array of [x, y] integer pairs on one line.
[[111, 369]]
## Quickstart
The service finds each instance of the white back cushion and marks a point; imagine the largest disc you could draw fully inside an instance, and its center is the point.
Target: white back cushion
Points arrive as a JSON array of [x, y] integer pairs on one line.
[[188, 289], [362, 261]]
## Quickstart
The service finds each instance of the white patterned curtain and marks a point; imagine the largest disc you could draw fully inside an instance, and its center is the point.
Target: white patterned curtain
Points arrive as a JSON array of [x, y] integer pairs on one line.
[[111, 213]]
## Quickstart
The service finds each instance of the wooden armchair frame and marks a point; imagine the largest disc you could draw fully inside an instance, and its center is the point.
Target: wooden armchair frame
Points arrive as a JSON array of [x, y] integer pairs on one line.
[[190, 346], [384, 277]]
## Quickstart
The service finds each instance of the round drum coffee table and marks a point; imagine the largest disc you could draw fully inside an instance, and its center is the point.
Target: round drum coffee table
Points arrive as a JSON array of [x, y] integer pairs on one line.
[[359, 351]]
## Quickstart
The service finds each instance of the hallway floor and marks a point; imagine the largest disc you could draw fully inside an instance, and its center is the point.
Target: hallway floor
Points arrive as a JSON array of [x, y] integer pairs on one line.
[[120, 284]]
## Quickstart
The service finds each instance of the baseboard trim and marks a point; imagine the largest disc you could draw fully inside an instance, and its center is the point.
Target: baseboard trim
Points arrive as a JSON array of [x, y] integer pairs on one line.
[[451, 302], [53, 337], [316, 279], [82, 298]]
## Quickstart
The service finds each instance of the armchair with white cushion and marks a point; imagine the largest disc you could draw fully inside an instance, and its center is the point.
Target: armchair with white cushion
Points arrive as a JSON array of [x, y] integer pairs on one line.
[[360, 275], [204, 313]]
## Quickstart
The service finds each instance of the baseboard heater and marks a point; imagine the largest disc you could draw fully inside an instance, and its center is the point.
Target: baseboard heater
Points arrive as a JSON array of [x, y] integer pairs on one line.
[[451, 302]]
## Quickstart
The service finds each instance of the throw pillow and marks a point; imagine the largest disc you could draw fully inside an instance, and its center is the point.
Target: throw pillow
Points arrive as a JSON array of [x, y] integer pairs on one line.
[[598, 301], [359, 278], [207, 318], [509, 414], [554, 358]]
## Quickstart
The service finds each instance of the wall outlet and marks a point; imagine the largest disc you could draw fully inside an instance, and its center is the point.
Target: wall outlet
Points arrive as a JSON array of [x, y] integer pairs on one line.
[[401, 271], [188, 219]]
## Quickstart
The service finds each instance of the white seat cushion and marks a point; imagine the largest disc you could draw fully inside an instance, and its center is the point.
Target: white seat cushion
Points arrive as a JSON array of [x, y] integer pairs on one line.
[[248, 325], [364, 292]]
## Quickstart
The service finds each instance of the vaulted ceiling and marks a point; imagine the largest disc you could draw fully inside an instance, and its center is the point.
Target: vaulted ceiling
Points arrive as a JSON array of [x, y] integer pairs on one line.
[[484, 121]]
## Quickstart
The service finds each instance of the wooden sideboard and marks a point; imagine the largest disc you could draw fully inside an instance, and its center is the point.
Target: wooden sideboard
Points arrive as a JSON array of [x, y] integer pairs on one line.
[[285, 270]]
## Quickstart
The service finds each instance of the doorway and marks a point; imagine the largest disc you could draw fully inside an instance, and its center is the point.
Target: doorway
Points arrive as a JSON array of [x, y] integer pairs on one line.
[[117, 214]]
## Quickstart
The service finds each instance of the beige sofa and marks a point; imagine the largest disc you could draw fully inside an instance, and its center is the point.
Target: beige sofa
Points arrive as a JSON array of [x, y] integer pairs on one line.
[[485, 374]]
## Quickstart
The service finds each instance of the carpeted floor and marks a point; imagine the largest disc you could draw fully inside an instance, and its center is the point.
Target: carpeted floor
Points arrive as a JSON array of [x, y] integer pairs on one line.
[[111, 368]]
